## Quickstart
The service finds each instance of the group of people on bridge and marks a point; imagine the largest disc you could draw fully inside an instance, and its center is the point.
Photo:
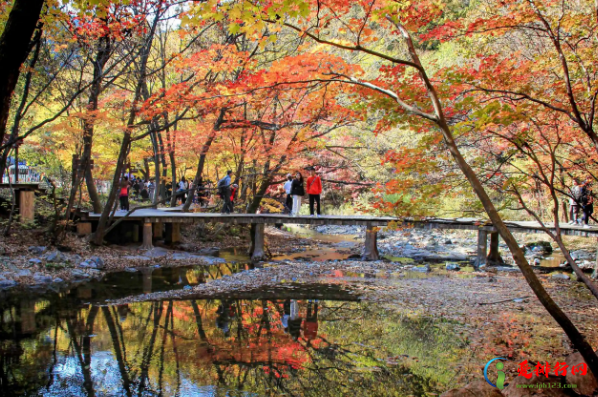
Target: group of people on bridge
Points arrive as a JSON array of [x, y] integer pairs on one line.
[[295, 188]]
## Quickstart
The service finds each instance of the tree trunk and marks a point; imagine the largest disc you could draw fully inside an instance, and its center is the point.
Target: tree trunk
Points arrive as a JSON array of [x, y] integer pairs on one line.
[[202, 159], [103, 54], [14, 48], [126, 142]]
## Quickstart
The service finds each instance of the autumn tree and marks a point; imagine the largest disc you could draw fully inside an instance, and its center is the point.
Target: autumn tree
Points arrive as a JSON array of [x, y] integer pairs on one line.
[[406, 89]]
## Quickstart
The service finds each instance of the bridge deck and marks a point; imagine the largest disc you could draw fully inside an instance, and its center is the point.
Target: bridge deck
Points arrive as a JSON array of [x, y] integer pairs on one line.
[[170, 216]]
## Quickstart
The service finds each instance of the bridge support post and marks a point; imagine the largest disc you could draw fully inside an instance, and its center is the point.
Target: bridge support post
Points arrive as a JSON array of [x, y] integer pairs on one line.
[[147, 236], [370, 249], [173, 233], [482, 248], [258, 253], [158, 230], [26, 205], [494, 257]]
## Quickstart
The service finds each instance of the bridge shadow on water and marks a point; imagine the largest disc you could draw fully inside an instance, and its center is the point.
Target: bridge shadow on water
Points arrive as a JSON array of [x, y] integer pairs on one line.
[[305, 341]]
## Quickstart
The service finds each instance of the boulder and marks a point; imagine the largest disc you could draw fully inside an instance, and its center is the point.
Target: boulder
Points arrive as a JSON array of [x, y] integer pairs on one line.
[[55, 256], [513, 391], [586, 384], [478, 388], [36, 250], [583, 255]]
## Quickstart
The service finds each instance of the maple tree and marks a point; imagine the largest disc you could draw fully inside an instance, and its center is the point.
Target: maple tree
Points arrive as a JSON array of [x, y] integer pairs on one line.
[[347, 26]]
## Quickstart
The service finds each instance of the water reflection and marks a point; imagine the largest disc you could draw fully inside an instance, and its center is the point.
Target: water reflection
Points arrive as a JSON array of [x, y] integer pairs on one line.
[[221, 347]]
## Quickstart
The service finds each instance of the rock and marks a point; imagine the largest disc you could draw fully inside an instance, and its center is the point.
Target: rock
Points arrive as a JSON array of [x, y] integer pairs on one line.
[[560, 276], [586, 384], [79, 274], [583, 254], [448, 242], [513, 391], [542, 247], [137, 257], [478, 388], [75, 258], [453, 266], [211, 251], [98, 261], [156, 252], [586, 265], [87, 265], [130, 270], [58, 280], [40, 278], [4, 284], [36, 250], [179, 256], [421, 269], [35, 261], [55, 256], [187, 287], [23, 273]]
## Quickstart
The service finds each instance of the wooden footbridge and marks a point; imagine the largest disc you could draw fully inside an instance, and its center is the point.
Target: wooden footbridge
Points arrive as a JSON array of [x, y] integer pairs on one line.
[[157, 222]]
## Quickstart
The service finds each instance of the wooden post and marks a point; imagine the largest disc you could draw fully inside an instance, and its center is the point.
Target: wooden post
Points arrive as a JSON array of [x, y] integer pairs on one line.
[[258, 253], [482, 248], [135, 232], [26, 206], [173, 233], [147, 236], [370, 249], [494, 257], [158, 230], [84, 228]]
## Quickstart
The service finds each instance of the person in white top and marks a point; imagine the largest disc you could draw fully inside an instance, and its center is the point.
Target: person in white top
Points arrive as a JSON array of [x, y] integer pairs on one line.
[[288, 206]]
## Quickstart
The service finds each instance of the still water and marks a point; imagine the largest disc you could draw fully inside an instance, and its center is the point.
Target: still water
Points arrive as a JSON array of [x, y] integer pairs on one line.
[[317, 341]]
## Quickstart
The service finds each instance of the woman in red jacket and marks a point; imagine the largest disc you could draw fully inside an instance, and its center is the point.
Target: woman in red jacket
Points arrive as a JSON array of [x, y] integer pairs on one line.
[[314, 189]]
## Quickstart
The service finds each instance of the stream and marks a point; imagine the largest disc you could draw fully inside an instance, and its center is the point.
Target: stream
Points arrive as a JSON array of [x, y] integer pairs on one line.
[[308, 341]]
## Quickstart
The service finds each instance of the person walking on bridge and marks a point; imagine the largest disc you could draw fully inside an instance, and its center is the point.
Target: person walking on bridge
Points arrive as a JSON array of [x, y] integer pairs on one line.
[[587, 202], [287, 189], [123, 195], [575, 202], [297, 191], [224, 191], [314, 189]]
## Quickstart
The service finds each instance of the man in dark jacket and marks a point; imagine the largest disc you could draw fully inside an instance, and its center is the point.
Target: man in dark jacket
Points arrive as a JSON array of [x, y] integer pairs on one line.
[[224, 191]]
